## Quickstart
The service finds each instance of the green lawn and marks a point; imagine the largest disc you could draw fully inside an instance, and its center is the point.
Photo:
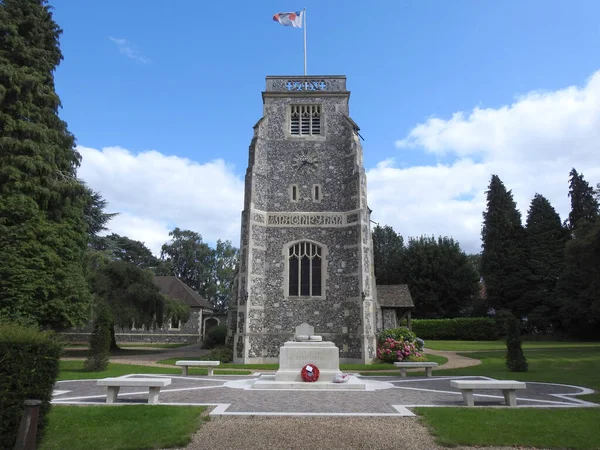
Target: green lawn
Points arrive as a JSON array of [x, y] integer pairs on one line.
[[577, 366], [347, 367], [120, 427], [171, 345], [73, 370], [458, 346], [543, 428]]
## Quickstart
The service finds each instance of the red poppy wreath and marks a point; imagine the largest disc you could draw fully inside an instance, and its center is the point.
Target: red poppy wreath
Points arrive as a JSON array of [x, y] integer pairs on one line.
[[310, 373]]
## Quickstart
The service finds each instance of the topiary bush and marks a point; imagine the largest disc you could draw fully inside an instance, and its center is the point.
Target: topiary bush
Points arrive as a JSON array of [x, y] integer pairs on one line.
[[215, 336], [399, 334], [99, 343], [29, 366], [464, 328], [515, 358], [223, 354]]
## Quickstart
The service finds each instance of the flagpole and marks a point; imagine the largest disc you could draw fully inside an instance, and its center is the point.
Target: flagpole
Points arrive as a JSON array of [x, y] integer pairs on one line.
[[304, 16]]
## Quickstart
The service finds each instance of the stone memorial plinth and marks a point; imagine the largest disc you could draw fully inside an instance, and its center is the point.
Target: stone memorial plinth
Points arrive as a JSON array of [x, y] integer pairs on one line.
[[307, 349]]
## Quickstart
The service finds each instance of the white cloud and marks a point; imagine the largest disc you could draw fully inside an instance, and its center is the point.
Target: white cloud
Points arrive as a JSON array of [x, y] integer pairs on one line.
[[129, 49], [155, 192], [531, 144]]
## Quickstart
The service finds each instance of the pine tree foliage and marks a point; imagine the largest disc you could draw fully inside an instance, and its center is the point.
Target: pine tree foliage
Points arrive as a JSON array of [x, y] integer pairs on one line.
[[42, 228], [94, 212], [441, 278], [387, 255], [579, 284], [503, 260], [545, 242], [584, 205]]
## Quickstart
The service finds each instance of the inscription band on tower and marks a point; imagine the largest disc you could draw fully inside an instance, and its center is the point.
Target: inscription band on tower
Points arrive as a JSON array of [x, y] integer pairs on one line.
[[314, 219]]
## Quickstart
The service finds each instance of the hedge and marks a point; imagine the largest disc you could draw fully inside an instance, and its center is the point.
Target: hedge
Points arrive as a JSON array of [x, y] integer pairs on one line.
[[466, 329], [28, 370]]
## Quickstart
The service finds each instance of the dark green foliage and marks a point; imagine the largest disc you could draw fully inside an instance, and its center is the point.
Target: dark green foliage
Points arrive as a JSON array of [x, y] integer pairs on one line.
[[545, 242], [29, 365], [210, 272], [515, 358], [584, 205], [504, 257], [100, 342], [388, 247], [399, 334], [579, 285], [124, 249], [441, 279], [468, 329], [215, 336], [94, 215], [42, 228], [223, 354]]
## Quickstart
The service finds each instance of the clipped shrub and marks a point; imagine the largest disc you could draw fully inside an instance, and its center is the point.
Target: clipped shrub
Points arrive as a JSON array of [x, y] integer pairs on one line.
[[464, 328], [99, 343], [28, 370], [515, 358], [398, 334], [223, 354], [216, 336]]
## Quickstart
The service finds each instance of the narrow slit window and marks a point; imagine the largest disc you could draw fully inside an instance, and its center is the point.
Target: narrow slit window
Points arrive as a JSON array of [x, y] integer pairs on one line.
[[294, 193], [317, 194]]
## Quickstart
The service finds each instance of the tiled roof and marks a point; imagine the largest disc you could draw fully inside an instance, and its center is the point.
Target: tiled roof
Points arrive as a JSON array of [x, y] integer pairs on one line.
[[177, 289], [394, 296]]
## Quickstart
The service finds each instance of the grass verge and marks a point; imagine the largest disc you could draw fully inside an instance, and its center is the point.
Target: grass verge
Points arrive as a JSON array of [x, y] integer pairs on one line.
[[73, 370], [458, 346], [121, 427], [542, 428], [575, 366]]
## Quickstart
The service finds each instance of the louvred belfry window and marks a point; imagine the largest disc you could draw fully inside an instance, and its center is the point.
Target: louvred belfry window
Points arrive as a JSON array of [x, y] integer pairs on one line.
[[305, 120], [305, 277]]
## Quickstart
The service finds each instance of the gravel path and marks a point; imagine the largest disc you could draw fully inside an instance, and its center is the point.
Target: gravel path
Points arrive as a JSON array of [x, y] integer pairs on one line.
[[455, 361], [322, 433]]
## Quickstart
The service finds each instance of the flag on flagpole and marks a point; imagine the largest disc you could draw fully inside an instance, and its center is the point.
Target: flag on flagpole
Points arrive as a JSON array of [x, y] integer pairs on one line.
[[289, 19]]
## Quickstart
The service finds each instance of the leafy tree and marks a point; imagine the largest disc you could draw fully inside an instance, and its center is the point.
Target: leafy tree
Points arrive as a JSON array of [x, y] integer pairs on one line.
[[441, 278], [387, 255], [503, 260], [130, 295], [43, 233], [579, 284], [208, 271], [583, 202], [124, 249], [545, 242], [475, 259]]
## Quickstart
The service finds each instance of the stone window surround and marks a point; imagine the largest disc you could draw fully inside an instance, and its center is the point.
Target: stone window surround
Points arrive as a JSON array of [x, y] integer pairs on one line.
[[314, 189], [289, 135], [171, 327], [286, 270], [291, 193]]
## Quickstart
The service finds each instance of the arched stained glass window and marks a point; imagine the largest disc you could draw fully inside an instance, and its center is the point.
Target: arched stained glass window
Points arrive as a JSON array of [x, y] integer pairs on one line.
[[305, 274]]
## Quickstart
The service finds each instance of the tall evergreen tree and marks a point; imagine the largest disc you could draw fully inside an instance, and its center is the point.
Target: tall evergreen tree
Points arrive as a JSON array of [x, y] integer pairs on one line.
[[43, 233], [504, 257], [387, 255], [545, 242], [584, 205], [441, 278]]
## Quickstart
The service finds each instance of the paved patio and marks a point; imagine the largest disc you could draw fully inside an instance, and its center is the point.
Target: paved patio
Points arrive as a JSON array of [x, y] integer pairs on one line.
[[386, 396]]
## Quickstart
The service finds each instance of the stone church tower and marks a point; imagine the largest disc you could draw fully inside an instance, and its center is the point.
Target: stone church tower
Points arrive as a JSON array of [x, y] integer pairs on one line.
[[306, 247]]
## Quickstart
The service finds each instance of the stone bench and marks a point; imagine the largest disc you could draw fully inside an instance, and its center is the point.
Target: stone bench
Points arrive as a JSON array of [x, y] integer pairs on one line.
[[507, 387], [415, 365], [114, 384], [209, 364]]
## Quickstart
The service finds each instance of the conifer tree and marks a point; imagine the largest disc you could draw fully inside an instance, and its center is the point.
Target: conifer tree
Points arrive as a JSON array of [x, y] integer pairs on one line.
[[42, 228], [546, 239], [583, 200], [503, 258], [515, 358]]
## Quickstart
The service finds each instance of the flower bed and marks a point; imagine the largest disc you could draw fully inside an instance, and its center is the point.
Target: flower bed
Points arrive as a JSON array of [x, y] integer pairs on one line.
[[399, 344]]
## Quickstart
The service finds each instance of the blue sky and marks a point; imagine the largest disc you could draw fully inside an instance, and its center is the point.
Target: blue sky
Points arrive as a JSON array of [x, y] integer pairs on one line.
[[184, 79]]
